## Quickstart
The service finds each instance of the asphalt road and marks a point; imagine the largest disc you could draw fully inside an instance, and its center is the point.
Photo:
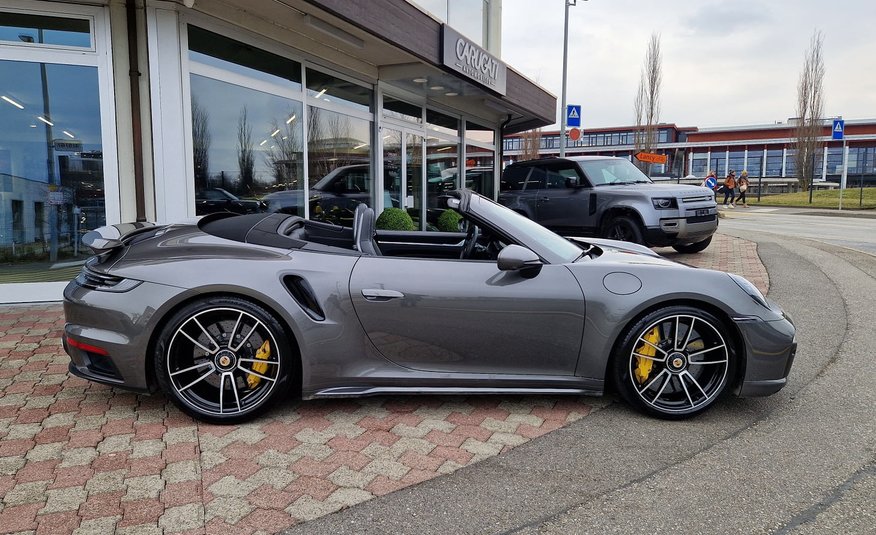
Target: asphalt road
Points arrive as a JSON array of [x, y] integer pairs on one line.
[[799, 462]]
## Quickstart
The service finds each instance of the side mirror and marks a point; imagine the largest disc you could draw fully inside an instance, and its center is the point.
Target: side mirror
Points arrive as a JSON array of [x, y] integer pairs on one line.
[[521, 259], [572, 182]]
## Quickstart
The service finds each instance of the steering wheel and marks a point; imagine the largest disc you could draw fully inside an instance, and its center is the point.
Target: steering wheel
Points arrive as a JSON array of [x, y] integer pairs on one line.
[[471, 240]]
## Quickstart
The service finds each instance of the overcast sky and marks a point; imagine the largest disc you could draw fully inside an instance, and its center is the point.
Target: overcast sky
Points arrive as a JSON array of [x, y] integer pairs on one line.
[[725, 62]]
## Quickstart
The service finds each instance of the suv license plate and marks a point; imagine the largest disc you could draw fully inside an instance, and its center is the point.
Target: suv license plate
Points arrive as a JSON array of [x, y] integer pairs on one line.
[[703, 211]]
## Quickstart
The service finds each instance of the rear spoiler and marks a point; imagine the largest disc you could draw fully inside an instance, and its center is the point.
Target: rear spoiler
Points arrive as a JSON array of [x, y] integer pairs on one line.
[[105, 239]]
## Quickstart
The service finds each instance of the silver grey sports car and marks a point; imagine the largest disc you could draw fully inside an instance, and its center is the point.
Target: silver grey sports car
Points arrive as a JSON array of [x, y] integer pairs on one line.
[[233, 312]]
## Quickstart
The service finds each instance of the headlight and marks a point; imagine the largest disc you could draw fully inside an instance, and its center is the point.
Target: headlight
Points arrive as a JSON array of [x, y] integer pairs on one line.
[[666, 203], [750, 289]]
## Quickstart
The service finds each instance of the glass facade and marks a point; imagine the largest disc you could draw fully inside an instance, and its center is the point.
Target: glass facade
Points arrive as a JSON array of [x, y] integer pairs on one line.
[[774, 163], [19, 28], [52, 187]]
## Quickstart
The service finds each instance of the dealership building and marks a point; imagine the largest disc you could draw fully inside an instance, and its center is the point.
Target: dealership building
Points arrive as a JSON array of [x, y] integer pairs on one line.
[[763, 150], [119, 110]]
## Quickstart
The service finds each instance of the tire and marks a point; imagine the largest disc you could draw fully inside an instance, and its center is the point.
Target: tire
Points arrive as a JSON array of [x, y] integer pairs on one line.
[[674, 362], [623, 228], [223, 360], [692, 248]]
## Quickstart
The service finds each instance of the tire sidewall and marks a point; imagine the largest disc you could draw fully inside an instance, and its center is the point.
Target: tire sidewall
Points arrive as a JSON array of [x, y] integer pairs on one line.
[[287, 366], [693, 247], [631, 228]]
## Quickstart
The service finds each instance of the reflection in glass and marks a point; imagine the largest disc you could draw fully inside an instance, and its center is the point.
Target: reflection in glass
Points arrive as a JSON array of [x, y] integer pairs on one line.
[[392, 162], [247, 145], [478, 133], [218, 51], [27, 28], [414, 176], [442, 169], [755, 163], [479, 170], [440, 122], [399, 109], [332, 89], [339, 165], [51, 168]]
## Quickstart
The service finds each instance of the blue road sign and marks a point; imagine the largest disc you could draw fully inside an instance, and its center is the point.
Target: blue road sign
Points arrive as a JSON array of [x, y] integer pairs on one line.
[[573, 115], [839, 126]]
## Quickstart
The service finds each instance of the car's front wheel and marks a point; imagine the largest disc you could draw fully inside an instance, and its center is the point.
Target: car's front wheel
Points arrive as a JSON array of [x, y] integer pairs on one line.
[[223, 360], [674, 362], [692, 248]]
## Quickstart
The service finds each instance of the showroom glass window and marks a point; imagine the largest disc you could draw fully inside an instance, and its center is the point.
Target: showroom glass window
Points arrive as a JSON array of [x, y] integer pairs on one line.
[[52, 187], [247, 134], [774, 163], [718, 163], [338, 146], [480, 159]]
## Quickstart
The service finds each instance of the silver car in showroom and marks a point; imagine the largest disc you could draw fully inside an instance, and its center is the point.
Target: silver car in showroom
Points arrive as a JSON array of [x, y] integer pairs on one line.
[[230, 313]]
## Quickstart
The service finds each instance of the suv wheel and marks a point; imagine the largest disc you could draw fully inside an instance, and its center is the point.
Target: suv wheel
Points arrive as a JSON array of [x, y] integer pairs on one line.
[[693, 247], [623, 228]]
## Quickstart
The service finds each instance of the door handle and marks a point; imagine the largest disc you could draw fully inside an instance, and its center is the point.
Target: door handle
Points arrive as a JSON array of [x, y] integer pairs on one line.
[[544, 199], [378, 294]]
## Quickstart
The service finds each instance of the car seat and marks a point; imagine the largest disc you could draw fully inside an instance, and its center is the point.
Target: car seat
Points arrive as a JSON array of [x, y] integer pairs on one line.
[[363, 230]]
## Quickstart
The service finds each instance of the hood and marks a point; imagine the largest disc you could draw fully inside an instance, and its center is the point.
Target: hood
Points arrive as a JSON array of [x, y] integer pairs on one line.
[[622, 252], [660, 190]]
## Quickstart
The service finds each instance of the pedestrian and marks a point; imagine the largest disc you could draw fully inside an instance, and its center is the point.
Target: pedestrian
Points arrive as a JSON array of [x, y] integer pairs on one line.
[[711, 181], [729, 188], [743, 187]]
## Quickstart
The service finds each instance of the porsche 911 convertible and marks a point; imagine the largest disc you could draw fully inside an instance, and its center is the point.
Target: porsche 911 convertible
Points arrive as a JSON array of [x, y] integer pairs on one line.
[[230, 313]]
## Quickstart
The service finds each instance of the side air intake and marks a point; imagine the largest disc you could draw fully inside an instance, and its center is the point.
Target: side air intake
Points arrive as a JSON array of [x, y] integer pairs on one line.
[[303, 294]]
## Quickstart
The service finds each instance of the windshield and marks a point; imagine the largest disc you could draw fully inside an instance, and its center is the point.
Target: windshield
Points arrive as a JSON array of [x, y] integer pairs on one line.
[[612, 171], [550, 246]]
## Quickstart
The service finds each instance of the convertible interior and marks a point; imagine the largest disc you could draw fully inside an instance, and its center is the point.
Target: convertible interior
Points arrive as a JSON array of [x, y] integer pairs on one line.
[[295, 232]]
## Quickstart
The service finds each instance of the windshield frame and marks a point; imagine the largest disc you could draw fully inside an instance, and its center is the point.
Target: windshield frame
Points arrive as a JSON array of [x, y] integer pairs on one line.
[[550, 246]]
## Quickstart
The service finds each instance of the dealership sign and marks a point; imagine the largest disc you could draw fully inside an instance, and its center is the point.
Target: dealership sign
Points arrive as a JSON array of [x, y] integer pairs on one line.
[[467, 58]]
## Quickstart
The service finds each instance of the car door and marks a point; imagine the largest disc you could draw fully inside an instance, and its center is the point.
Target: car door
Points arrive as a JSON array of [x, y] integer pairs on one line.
[[468, 316], [563, 203]]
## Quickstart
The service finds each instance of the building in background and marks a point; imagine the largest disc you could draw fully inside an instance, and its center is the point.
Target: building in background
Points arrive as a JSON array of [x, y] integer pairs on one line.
[[762, 150], [123, 110]]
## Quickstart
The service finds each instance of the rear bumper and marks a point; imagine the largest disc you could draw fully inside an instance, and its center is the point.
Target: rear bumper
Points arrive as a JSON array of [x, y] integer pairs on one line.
[[107, 334]]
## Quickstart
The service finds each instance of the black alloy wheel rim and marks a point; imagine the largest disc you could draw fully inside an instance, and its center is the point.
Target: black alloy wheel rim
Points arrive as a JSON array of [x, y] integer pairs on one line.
[[687, 364], [210, 361]]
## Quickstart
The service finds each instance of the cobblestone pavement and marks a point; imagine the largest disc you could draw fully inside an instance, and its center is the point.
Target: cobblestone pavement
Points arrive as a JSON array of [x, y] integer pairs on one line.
[[85, 458]]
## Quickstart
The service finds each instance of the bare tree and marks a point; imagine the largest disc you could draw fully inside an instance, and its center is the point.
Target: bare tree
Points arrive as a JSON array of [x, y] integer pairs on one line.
[[647, 103], [285, 157], [530, 144], [810, 108], [245, 158], [201, 144]]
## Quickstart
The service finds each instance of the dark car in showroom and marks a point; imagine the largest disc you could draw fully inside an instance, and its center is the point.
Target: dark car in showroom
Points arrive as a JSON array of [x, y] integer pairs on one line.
[[228, 314], [210, 200]]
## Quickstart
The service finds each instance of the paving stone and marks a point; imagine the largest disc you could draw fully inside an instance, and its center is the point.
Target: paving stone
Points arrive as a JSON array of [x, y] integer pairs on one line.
[[66, 499], [97, 526], [307, 508], [143, 487], [183, 517], [26, 493]]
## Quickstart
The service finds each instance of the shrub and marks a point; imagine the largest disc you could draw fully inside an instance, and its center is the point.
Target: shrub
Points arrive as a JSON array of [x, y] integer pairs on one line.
[[448, 221], [395, 219]]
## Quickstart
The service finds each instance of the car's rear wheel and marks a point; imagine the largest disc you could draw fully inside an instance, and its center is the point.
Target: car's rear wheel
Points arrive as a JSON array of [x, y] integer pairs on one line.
[[623, 228], [693, 247], [223, 360], [674, 363]]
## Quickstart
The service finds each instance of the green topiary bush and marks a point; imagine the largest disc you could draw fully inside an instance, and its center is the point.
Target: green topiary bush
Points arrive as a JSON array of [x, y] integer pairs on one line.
[[448, 221], [395, 219]]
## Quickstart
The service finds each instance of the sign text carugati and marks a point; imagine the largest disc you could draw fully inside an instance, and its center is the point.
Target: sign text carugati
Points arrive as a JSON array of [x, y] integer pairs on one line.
[[472, 61]]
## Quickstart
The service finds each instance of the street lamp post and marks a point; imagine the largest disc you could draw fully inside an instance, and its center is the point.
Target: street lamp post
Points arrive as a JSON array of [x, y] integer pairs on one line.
[[565, 68]]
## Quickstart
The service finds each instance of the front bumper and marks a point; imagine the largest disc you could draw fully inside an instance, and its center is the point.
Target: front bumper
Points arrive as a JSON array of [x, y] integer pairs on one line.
[[677, 230], [771, 347], [107, 334]]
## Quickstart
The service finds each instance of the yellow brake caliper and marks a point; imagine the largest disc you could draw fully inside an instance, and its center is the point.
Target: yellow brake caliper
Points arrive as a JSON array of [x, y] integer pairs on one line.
[[263, 353], [644, 365]]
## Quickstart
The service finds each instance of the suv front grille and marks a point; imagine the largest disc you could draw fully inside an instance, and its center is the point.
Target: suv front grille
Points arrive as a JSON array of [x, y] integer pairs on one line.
[[700, 198]]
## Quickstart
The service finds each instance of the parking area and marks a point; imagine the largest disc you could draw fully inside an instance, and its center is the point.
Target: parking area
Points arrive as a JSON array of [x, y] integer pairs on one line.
[[85, 458]]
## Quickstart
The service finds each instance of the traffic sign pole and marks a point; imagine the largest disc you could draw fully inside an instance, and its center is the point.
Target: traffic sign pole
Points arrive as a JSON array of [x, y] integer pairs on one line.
[[565, 68]]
